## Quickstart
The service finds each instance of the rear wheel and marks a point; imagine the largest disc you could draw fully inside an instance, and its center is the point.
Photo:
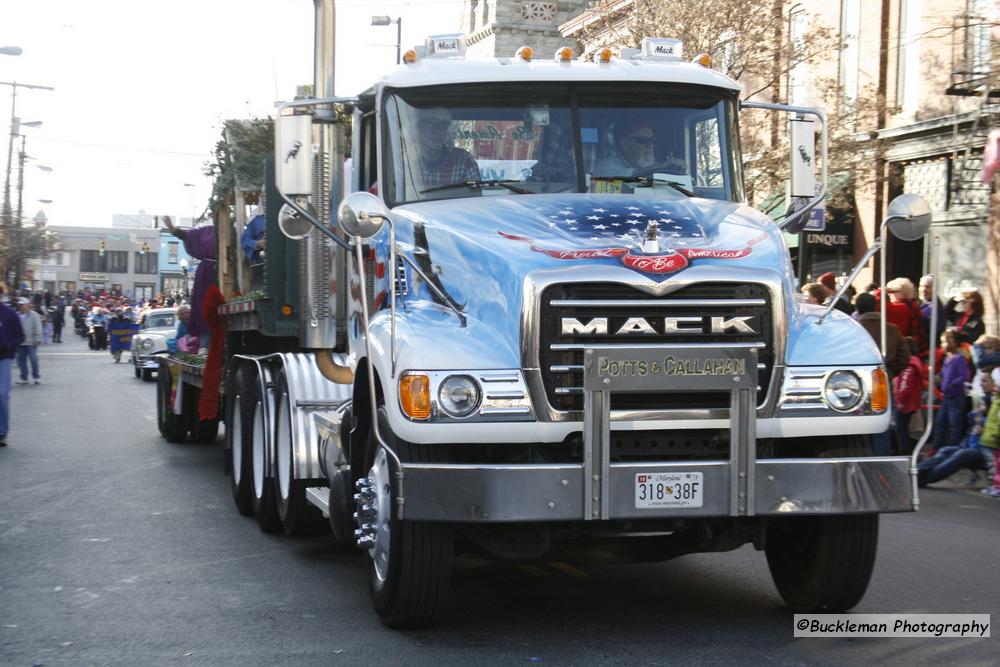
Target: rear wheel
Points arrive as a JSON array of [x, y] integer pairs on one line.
[[171, 426], [205, 430], [824, 563], [239, 433], [298, 516], [146, 373], [262, 496], [409, 562]]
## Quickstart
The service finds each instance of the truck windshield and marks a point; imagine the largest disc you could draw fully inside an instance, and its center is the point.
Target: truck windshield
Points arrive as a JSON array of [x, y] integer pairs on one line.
[[477, 140]]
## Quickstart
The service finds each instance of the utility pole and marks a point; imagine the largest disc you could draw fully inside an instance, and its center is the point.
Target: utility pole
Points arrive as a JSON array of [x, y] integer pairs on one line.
[[6, 222], [16, 228]]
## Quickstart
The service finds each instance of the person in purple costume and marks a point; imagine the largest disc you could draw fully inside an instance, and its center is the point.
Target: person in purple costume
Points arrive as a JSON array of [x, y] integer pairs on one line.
[[199, 242]]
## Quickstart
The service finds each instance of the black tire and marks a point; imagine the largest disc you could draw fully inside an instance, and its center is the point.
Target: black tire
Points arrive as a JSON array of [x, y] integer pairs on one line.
[[145, 373], [239, 431], [298, 516], [824, 563], [262, 466], [137, 372], [341, 498], [414, 590], [205, 431], [172, 427]]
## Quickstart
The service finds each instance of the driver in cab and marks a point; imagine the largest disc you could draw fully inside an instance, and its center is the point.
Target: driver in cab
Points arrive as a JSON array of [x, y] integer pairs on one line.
[[441, 164], [635, 142]]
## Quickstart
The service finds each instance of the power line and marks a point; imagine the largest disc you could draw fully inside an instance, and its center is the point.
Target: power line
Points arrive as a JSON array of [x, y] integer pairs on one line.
[[71, 142]]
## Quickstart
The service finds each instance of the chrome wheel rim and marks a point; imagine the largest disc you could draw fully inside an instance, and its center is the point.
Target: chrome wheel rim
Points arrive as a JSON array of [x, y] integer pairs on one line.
[[382, 501], [283, 447], [258, 450], [236, 431]]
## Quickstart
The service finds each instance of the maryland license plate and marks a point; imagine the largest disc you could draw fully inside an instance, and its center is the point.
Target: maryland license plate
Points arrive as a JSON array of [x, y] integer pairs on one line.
[[656, 490]]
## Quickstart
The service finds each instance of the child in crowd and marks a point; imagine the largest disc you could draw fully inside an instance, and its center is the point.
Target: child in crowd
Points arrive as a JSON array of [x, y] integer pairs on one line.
[[990, 436], [950, 421], [908, 395]]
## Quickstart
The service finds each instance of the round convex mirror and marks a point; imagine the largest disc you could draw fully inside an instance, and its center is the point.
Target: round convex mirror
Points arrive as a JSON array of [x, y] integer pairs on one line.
[[909, 217], [362, 214], [292, 224]]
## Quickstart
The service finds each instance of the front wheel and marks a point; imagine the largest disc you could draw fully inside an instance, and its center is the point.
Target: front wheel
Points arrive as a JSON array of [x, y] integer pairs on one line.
[[409, 562], [822, 563], [146, 374]]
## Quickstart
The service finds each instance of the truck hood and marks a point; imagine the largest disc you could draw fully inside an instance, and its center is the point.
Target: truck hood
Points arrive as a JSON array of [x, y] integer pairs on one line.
[[481, 249]]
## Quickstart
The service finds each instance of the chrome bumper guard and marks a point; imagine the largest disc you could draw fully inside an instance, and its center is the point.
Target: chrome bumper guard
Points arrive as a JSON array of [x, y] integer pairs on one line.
[[598, 489], [543, 492]]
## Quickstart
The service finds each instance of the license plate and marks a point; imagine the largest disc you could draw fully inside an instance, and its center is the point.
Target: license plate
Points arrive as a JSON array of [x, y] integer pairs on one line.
[[654, 490]]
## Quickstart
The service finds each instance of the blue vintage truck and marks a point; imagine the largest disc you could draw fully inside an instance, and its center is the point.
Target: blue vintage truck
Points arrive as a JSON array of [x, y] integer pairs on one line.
[[546, 320]]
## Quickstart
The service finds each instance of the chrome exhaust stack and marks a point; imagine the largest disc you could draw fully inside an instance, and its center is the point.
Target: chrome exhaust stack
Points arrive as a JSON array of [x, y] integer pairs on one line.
[[321, 263]]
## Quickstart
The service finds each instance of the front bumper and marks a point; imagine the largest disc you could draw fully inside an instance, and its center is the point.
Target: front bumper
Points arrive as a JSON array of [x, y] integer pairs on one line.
[[146, 361], [555, 492]]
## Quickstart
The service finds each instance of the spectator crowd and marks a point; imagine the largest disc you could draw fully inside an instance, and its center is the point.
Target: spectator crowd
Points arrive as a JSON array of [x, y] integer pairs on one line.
[[966, 373]]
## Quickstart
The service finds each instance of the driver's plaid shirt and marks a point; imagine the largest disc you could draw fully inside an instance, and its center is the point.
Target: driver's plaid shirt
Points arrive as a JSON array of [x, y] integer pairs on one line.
[[457, 166]]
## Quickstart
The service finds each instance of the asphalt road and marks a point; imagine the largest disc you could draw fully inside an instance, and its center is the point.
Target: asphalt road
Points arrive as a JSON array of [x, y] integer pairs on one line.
[[119, 548]]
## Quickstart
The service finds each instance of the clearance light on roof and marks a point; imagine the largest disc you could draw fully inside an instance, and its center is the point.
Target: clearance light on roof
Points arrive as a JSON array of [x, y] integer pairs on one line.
[[525, 53], [410, 57], [445, 46], [603, 55], [564, 54], [703, 59], [657, 48]]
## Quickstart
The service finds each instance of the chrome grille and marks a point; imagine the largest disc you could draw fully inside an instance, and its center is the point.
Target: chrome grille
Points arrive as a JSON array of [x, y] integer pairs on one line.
[[561, 355]]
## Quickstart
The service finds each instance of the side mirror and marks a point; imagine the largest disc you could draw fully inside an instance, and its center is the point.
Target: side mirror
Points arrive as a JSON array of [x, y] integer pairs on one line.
[[292, 224], [362, 214], [909, 217], [293, 156]]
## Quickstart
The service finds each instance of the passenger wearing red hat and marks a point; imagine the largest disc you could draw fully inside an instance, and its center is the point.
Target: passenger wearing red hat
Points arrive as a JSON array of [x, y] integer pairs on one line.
[[829, 282]]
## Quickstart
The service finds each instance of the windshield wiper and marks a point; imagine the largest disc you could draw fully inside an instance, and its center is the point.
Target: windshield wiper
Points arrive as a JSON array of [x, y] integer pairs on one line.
[[480, 184], [646, 180]]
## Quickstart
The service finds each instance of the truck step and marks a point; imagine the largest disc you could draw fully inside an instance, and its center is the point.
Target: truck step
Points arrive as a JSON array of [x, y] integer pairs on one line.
[[320, 497]]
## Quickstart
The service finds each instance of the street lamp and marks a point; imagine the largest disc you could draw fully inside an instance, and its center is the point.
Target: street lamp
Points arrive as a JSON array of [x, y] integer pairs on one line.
[[184, 272], [385, 20], [192, 186], [10, 51]]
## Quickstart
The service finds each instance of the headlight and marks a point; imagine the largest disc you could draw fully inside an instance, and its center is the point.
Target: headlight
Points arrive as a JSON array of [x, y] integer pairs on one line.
[[146, 343], [843, 390], [458, 395]]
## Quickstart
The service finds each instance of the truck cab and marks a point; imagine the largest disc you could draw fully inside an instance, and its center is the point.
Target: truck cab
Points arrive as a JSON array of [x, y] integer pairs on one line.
[[557, 330]]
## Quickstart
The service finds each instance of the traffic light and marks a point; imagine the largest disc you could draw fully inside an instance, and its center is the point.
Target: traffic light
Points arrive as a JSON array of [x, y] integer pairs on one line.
[[144, 248], [101, 247]]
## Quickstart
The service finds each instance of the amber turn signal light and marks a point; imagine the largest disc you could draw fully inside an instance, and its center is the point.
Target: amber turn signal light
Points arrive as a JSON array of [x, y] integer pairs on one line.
[[415, 396], [564, 54], [286, 310], [880, 390]]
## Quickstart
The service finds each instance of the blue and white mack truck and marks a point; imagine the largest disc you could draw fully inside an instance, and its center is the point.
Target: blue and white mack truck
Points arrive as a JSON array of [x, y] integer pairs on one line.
[[546, 324]]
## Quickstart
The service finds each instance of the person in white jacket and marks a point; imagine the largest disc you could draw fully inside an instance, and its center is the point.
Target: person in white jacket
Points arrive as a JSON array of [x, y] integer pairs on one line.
[[31, 322]]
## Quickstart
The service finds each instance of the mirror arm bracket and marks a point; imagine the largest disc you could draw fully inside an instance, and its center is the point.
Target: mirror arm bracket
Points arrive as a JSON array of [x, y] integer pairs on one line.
[[315, 223]]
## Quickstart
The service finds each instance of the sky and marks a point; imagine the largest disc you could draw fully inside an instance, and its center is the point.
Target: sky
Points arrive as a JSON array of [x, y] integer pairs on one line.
[[142, 88]]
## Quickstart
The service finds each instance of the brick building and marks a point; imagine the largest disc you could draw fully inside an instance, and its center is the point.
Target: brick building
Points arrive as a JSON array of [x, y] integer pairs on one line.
[[935, 66]]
